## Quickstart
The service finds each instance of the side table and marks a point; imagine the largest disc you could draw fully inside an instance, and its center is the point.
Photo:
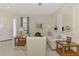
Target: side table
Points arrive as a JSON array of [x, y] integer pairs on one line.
[[20, 41]]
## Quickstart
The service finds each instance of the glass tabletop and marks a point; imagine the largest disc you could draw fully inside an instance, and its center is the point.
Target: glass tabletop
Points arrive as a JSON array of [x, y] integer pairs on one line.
[[64, 43]]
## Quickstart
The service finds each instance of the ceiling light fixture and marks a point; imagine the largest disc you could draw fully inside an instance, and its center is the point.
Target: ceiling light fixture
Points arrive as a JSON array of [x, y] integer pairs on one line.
[[39, 4]]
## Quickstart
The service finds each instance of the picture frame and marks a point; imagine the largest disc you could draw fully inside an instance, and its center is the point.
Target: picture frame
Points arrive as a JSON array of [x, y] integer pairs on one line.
[[39, 26]]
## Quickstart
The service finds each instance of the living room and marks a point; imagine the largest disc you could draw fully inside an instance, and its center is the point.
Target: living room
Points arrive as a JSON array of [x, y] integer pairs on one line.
[[26, 19]]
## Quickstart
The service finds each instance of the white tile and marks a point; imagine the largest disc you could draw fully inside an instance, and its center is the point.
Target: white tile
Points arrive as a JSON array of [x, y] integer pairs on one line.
[[52, 53], [7, 48]]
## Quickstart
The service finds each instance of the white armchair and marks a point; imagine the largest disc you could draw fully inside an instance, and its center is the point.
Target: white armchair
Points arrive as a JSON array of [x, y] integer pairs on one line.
[[36, 46]]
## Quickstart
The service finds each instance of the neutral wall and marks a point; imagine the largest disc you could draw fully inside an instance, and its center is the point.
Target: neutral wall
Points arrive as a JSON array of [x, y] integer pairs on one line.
[[76, 24], [46, 21], [6, 26], [67, 20], [58, 18], [6, 20], [65, 13], [69, 14]]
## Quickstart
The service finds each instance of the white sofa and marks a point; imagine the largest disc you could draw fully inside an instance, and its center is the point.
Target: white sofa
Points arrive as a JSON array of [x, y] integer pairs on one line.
[[51, 40], [36, 46]]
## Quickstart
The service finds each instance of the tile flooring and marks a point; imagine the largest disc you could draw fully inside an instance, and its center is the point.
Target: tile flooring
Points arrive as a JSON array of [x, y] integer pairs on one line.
[[7, 48]]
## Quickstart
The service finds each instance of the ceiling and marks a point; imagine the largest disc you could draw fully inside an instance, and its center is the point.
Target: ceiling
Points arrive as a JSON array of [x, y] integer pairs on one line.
[[30, 8]]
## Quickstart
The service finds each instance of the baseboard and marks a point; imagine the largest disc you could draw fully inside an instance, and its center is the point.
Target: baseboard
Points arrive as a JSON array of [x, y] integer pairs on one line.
[[5, 40]]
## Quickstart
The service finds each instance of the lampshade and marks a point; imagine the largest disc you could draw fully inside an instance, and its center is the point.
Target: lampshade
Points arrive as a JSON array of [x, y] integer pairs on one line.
[[49, 27]]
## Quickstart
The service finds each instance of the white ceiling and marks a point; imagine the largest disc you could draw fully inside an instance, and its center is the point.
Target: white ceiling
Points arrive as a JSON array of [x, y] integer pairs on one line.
[[30, 8]]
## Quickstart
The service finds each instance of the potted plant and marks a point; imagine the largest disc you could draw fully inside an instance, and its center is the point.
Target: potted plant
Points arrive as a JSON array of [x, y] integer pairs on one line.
[[38, 34]]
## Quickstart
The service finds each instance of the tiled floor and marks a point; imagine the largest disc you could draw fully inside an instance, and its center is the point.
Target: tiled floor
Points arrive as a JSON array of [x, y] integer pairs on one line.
[[7, 48], [50, 52]]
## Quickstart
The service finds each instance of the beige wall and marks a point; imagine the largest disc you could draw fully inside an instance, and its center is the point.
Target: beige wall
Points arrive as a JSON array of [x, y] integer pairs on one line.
[[76, 24], [64, 15], [69, 14], [46, 21], [6, 25], [67, 21], [6, 19]]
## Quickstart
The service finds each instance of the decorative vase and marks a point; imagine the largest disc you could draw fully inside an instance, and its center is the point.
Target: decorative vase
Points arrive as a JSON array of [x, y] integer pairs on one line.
[[68, 40]]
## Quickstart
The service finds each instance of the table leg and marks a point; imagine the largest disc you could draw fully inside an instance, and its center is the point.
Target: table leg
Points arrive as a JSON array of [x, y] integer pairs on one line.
[[63, 50], [57, 45], [15, 42], [78, 50]]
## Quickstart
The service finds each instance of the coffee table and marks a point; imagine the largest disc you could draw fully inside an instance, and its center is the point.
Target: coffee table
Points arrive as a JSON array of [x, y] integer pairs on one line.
[[65, 49]]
